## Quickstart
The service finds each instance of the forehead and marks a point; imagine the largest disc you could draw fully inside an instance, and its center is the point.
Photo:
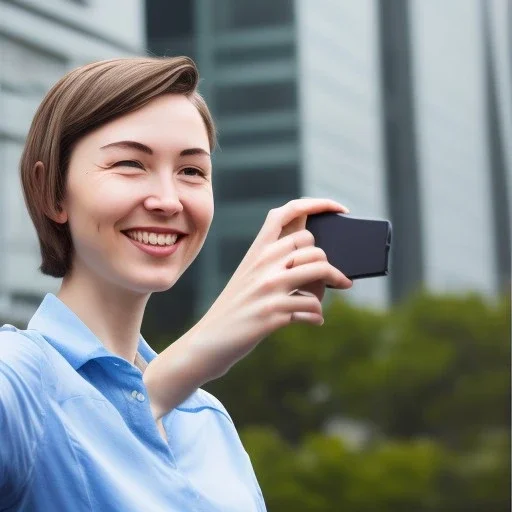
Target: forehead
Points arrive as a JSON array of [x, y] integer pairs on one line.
[[169, 121]]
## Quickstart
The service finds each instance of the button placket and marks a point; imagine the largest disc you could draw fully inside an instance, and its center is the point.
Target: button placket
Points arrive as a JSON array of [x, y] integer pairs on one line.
[[138, 395]]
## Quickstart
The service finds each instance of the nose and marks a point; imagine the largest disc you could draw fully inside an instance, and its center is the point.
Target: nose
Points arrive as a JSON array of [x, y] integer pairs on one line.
[[164, 198]]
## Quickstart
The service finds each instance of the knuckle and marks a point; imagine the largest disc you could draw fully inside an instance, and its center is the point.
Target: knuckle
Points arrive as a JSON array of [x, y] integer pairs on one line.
[[263, 257], [309, 237], [269, 284], [316, 307], [306, 237], [325, 269], [268, 308], [280, 320], [320, 254], [271, 213], [295, 205]]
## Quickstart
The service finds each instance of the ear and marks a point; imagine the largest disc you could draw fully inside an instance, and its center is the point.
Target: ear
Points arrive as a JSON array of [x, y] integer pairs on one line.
[[57, 214], [60, 216]]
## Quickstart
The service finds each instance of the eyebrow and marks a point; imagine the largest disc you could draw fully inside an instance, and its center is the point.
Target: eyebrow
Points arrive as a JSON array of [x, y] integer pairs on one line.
[[131, 144]]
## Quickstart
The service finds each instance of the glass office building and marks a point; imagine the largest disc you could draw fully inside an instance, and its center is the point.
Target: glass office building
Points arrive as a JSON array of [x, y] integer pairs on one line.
[[296, 96], [383, 106], [39, 42], [399, 109]]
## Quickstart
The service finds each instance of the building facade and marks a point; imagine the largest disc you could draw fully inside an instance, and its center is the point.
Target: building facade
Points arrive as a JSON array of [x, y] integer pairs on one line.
[[398, 109], [386, 107], [40, 42]]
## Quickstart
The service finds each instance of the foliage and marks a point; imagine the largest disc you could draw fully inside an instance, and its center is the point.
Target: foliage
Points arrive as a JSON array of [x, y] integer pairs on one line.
[[427, 386]]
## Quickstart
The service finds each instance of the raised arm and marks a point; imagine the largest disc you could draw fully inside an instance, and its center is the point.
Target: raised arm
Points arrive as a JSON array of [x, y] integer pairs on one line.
[[259, 299]]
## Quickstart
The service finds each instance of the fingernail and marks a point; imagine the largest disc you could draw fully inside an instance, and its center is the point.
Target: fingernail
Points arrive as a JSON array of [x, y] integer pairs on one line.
[[323, 321], [305, 293]]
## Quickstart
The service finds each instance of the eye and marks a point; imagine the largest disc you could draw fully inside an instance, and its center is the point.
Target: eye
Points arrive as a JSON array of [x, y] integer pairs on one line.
[[129, 163], [192, 171]]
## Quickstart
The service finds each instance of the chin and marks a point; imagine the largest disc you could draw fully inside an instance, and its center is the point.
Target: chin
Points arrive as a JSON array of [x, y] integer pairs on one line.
[[151, 285], [163, 287], [159, 286]]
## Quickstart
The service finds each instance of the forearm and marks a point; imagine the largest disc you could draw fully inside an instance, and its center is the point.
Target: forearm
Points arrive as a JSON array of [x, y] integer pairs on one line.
[[258, 299], [183, 367]]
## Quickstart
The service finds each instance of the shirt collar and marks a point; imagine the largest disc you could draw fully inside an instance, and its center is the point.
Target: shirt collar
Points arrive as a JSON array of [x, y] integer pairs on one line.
[[70, 336]]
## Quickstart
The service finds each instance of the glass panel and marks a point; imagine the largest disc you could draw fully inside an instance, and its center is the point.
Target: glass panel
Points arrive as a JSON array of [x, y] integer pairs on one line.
[[255, 98], [236, 14], [278, 182], [227, 56]]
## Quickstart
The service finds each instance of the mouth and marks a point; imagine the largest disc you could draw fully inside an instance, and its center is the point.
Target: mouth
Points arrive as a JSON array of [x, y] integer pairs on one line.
[[155, 244]]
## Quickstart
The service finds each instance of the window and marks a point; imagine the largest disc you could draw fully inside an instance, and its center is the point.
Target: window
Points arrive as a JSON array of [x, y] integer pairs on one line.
[[234, 55], [251, 99], [167, 20], [263, 183], [236, 14], [251, 138]]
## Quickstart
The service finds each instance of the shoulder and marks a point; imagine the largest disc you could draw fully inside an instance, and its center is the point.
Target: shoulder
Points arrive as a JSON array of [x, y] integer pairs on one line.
[[21, 355], [202, 399]]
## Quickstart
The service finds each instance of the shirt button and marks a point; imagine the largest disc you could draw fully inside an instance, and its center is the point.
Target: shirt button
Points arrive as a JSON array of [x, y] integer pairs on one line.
[[137, 395]]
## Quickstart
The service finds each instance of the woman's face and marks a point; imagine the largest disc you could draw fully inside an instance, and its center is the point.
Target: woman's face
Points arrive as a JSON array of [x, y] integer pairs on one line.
[[139, 198]]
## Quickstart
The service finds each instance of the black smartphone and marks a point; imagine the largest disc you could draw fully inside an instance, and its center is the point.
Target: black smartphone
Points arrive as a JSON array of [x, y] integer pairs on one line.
[[357, 247]]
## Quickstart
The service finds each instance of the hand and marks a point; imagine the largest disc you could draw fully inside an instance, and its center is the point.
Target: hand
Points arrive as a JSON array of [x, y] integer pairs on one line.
[[259, 299], [299, 223]]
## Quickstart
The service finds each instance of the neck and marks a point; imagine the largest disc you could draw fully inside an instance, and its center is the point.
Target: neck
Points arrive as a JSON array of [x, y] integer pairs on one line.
[[112, 313]]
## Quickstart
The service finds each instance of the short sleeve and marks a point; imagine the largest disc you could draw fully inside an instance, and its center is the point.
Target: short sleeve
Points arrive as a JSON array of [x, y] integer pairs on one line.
[[23, 402]]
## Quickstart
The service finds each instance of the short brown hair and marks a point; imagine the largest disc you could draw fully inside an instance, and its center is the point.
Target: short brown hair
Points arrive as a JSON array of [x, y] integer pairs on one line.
[[78, 103]]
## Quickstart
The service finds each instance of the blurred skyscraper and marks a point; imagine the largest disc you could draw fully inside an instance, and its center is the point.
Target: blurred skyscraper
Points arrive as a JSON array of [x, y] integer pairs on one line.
[[39, 42], [397, 108]]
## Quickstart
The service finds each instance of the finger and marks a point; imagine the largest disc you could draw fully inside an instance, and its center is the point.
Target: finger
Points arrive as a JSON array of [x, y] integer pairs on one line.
[[294, 308], [308, 303], [278, 218], [300, 222], [289, 244], [309, 318], [285, 319], [304, 255], [295, 225], [308, 255], [316, 288], [302, 275]]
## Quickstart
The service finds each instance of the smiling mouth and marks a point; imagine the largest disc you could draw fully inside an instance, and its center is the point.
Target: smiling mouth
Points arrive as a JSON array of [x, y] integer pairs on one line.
[[153, 239]]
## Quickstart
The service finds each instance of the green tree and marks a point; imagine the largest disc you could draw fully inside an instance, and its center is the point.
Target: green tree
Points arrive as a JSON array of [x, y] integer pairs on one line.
[[429, 380]]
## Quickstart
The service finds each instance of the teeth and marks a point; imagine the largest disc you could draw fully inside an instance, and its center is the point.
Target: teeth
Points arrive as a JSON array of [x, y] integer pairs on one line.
[[153, 238]]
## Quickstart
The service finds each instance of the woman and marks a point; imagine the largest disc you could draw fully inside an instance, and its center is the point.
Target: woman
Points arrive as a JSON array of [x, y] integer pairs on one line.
[[117, 178]]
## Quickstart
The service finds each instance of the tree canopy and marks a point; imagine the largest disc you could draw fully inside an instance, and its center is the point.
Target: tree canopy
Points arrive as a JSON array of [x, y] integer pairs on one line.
[[407, 409]]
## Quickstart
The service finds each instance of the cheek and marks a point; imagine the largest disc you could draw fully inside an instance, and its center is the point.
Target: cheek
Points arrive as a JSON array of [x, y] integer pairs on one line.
[[205, 210], [113, 195], [99, 206], [200, 206]]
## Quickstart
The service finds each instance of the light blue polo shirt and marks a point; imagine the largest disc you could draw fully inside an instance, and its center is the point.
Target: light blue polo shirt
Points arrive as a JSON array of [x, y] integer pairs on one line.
[[77, 433]]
